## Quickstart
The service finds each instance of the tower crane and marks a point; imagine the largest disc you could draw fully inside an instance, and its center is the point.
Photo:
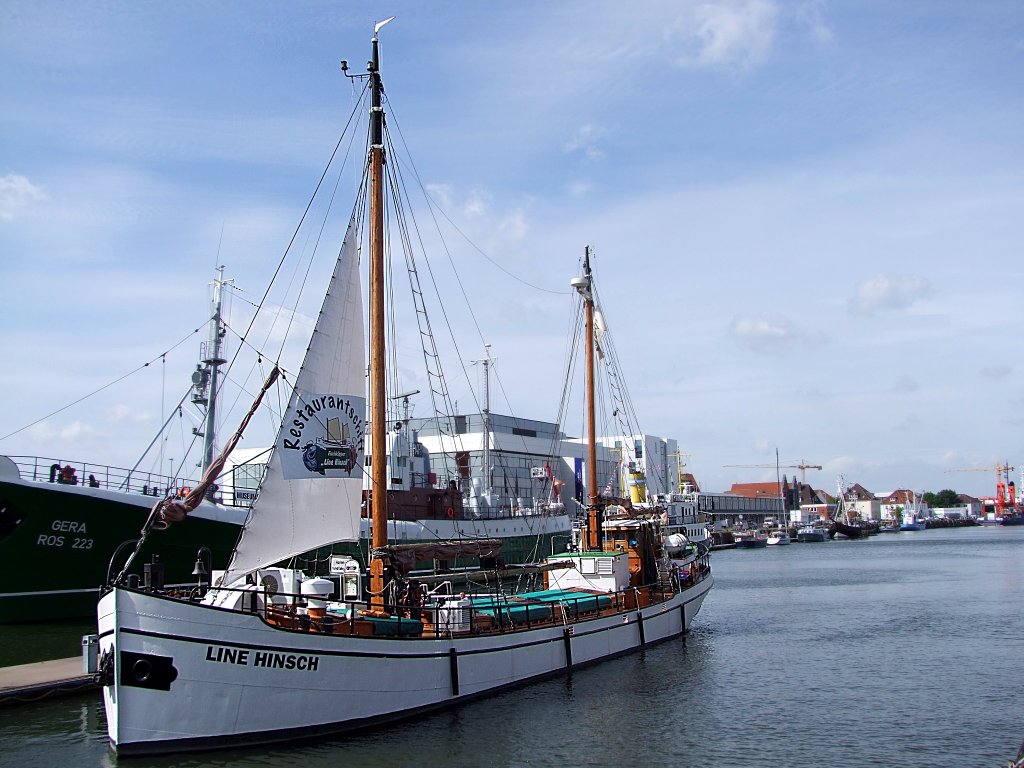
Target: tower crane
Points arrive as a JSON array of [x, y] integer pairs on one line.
[[803, 466], [1006, 494]]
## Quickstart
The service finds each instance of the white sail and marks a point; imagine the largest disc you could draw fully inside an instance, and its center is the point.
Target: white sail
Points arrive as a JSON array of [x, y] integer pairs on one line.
[[312, 489]]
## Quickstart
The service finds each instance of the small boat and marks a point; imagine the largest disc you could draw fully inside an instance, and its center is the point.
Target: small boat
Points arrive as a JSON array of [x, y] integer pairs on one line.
[[267, 654], [778, 537], [813, 533], [911, 518], [846, 524], [750, 540]]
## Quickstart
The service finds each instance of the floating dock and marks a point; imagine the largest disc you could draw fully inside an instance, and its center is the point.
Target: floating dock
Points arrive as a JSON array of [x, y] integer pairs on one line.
[[25, 683]]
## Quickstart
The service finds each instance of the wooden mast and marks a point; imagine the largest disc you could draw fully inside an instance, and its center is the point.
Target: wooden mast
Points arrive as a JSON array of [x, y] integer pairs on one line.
[[585, 288], [378, 414]]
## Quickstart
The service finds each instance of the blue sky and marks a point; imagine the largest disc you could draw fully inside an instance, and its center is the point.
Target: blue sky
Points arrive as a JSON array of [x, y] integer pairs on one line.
[[806, 215]]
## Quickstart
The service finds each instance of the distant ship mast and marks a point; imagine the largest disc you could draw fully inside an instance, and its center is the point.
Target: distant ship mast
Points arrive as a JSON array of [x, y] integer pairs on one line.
[[486, 362], [206, 379]]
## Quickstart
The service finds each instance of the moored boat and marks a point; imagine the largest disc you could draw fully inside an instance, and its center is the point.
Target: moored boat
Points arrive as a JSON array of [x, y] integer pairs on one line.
[[778, 537], [750, 539], [847, 524], [57, 540], [911, 518], [813, 533], [269, 654]]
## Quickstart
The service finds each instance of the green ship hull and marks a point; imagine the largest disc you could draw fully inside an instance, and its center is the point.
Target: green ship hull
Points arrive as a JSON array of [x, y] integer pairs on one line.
[[57, 542]]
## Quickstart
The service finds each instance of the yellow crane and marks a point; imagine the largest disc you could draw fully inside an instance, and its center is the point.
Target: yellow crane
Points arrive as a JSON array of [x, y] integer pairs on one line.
[[803, 466]]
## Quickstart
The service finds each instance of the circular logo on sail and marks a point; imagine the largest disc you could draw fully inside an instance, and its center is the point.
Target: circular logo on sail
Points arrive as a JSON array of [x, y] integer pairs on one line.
[[325, 436]]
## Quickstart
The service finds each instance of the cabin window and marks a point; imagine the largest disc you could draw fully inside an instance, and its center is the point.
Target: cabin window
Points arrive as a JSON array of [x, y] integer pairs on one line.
[[638, 448], [245, 480]]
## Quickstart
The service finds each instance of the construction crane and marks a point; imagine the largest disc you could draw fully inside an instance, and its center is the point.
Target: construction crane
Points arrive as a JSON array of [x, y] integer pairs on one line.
[[1006, 494], [803, 466]]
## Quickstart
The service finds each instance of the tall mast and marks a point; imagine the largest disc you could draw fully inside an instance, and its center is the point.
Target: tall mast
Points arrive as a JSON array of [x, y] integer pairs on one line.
[[486, 363], [214, 361], [584, 286], [378, 414], [206, 377]]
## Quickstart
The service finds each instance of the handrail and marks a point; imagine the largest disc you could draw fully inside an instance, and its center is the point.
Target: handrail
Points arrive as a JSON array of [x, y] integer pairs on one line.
[[42, 469], [573, 609]]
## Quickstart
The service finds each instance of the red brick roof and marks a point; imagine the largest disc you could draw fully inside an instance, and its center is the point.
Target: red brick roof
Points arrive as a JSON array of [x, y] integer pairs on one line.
[[754, 490]]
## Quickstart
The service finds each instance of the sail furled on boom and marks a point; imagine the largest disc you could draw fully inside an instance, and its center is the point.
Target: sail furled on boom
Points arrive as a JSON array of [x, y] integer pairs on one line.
[[312, 489]]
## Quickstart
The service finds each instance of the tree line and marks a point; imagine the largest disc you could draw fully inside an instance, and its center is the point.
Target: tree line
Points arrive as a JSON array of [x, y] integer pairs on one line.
[[944, 498]]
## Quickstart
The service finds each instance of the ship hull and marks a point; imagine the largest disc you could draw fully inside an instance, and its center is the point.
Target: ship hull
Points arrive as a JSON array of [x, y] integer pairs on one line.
[[57, 541], [189, 677]]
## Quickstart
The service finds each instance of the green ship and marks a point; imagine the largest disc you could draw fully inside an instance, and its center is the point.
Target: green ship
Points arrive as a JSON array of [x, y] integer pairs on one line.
[[58, 539]]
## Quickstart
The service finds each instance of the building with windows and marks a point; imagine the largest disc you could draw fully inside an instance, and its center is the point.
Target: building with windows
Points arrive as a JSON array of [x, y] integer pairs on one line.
[[507, 462]]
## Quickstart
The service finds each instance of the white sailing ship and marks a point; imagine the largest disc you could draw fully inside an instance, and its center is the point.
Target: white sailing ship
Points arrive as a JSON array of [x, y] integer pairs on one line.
[[271, 654]]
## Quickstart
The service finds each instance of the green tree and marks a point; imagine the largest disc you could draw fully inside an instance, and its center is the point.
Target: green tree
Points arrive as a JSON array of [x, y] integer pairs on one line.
[[944, 498]]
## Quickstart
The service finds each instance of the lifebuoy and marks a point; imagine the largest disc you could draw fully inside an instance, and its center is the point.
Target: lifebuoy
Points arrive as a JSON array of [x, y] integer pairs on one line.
[[451, 513]]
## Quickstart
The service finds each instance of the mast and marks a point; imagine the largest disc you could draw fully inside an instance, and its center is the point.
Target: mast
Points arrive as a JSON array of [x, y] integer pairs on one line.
[[206, 377], [214, 362], [584, 286], [488, 480], [378, 414]]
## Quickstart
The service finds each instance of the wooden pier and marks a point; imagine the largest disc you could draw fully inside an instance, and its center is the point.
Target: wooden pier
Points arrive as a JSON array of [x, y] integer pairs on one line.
[[25, 683]]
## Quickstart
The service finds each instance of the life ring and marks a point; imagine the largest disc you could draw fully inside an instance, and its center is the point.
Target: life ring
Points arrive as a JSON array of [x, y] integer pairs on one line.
[[451, 513]]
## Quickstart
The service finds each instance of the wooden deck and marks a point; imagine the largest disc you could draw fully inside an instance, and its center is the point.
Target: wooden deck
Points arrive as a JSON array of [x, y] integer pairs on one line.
[[25, 683]]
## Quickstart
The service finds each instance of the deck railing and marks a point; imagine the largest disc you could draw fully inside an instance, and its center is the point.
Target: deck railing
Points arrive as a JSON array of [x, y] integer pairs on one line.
[[496, 614], [66, 472]]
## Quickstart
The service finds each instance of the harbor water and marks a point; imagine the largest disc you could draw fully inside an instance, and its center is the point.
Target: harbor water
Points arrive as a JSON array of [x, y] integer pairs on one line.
[[900, 650]]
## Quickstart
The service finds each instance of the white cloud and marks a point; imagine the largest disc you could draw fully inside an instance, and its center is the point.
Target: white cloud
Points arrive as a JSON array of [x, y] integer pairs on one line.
[[16, 193], [736, 33], [514, 226], [476, 205], [128, 413], [78, 430], [585, 140], [812, 16], [769, 332], [472, 205], [888, 292], [579, 188], [441, 194]]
